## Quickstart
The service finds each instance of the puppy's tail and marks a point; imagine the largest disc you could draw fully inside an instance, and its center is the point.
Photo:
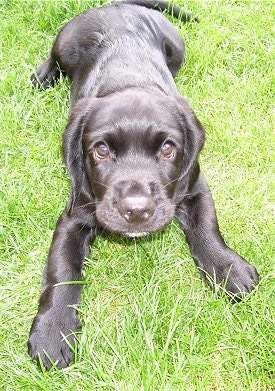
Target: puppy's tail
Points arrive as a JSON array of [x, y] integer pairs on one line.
[[161, 5]]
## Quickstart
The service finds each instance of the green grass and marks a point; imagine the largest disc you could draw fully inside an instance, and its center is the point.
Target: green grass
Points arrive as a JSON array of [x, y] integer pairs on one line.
[[149, 323]]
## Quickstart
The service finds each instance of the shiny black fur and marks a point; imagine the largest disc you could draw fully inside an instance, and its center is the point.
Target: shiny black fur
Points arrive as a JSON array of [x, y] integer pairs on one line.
[[131, 147]]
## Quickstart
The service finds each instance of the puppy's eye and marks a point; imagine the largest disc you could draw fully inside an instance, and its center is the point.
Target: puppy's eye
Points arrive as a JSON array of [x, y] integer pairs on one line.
[[101, 152], [168, 150]]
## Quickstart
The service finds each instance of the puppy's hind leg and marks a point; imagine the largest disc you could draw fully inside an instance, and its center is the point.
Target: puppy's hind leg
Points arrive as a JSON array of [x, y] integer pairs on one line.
[[46, 75]]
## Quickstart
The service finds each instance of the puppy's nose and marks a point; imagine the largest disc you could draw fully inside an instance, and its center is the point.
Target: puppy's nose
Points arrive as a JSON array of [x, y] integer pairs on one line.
[[137, 208]]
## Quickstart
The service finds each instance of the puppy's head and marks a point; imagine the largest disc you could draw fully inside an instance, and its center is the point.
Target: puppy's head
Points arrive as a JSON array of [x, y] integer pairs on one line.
[[133, 152]]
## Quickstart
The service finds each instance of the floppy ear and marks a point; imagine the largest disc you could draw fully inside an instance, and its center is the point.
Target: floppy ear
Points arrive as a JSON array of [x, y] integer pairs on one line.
[[72, 149], [194, 136]]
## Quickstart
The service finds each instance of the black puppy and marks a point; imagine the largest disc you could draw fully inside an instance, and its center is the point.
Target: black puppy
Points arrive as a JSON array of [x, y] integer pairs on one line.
[[131, 149]]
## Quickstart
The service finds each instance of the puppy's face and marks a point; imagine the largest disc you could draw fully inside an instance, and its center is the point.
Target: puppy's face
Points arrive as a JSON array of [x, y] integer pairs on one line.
[[133, 157]]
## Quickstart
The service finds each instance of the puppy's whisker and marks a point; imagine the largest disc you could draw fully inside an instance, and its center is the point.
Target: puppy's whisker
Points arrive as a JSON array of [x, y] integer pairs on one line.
[[174, 180], [185, 214], [88, 204], [102, 184]]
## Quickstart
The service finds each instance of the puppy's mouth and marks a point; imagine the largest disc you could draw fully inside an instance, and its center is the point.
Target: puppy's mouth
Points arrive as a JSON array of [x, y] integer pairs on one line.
[[136, 234], [118, 226]]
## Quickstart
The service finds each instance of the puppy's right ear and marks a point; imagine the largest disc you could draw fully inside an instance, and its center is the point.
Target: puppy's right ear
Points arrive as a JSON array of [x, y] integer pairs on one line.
[[72, 148]]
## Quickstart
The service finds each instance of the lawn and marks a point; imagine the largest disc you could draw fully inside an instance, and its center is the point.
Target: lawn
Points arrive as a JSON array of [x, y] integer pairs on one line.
[[149, 322]]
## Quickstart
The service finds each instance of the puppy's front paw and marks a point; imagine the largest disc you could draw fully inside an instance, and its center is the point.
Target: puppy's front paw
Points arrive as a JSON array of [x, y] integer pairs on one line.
[[233, 273], [51, 338], [242, 278]]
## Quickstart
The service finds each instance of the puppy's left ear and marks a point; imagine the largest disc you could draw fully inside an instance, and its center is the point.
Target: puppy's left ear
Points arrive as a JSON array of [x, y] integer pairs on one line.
[[194, 134]]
